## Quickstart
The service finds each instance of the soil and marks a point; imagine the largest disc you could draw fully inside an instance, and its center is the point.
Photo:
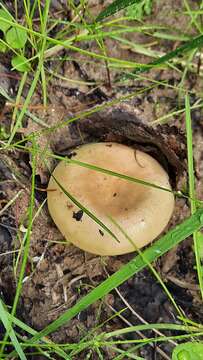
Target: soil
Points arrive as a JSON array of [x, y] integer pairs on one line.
[[57, 274]]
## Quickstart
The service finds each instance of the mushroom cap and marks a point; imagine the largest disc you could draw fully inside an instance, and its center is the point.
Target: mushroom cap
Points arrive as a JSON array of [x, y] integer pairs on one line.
[[142, 211]]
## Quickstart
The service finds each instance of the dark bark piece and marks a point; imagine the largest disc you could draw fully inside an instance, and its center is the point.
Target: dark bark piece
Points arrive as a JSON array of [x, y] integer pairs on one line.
[[165, 143]]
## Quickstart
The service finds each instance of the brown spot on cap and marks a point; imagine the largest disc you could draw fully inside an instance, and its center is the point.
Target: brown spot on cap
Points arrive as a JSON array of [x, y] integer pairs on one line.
[[78, 215]]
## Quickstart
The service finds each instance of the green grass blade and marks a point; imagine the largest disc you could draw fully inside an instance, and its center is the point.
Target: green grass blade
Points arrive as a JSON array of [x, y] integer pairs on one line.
[[27, 112], [155, 340], [190, 153], [195, 43], [34, 82], [150, 266], [116, 6], [121, 176], [48, 343], [160, 247], [27, 243], [142, 327], [197, 239], [86, 211], [18, 98], [29, 229], [7, 324]]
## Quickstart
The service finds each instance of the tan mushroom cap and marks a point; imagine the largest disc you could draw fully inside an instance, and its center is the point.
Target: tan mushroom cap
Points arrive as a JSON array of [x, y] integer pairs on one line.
[[142, 211]]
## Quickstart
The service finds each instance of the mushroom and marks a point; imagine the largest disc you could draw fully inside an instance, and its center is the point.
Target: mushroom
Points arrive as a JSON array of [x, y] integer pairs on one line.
[[142, 211]]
